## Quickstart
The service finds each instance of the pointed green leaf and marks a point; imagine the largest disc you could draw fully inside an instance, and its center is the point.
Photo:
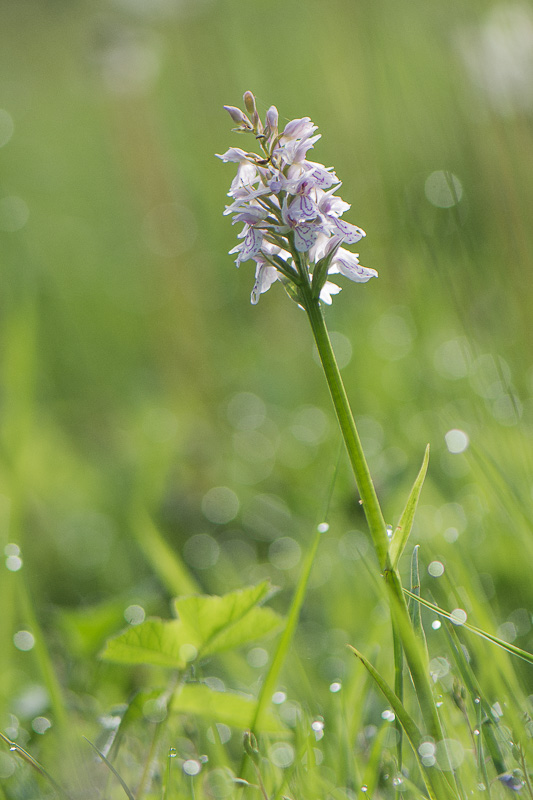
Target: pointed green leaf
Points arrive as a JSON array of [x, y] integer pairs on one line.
[[436, 782], [232, 709], [401, 534], [157, 642], [407, 722], [222, 623], [113, 770]]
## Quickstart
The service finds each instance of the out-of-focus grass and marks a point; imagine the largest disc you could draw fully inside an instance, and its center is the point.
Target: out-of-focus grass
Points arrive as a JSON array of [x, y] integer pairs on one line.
[[135, 369]]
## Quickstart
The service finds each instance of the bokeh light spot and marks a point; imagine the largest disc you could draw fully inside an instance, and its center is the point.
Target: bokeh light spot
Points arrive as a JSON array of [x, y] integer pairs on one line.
[[443, 189], [191, 767], [282, 754], [246, 411], [284, 553], [220, 505], [134, 614], [456, 441], [201, 551], [436, 569], [458, 616], [257, 657], [24, 640], [41, 724]]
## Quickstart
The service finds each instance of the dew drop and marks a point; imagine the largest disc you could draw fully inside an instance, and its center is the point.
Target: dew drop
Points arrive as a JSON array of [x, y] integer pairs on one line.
[[389, 531], [323, 527], [364, 788]]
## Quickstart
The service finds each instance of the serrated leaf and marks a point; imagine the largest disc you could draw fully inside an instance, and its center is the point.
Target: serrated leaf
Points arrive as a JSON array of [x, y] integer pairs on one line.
[[217, 623], [157, 642], [401, 534], [232, 709], [209, 623]]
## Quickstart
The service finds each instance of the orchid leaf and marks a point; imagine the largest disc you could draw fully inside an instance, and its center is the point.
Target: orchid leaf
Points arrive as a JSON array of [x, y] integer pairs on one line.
[[403, 530]]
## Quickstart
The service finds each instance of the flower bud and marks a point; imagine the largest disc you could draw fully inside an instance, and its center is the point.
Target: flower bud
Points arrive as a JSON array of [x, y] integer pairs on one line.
[[238, 117], [250, 746], [271, 129], [249, 103]]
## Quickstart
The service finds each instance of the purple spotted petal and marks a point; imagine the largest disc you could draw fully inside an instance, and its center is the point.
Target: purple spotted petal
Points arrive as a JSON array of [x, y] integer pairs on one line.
[[305, 236], [302, 208], [350, 233], [251, 245]]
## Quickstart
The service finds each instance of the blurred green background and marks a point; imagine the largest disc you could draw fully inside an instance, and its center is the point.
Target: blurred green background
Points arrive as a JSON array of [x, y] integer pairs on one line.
[[137, 378]]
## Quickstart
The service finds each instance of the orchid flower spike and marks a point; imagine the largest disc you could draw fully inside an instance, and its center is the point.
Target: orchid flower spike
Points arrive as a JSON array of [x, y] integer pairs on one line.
[[291, 216]]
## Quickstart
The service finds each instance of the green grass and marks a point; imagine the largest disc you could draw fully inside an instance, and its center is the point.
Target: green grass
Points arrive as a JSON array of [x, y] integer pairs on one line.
[[135, 377]]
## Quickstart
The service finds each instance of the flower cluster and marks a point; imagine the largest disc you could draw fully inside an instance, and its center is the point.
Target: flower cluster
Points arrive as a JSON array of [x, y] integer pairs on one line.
[[290, 213]]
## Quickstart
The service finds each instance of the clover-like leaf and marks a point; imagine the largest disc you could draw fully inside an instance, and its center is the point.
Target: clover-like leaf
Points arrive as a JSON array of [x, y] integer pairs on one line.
[[230, 708], [155, 641], [217, 623]]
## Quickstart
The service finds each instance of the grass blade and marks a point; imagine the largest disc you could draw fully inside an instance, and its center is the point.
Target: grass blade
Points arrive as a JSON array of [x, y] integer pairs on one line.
[[436, 784], [113, 770], [511, 648]]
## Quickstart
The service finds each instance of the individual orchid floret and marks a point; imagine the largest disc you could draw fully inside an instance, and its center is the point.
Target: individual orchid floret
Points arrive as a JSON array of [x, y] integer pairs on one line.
[[239, 118], [348, 265], [289, 209]]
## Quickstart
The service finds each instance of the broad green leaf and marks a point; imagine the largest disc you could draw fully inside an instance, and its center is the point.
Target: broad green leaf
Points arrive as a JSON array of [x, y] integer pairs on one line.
[[216, 623], [511, 648], [232, 709], [157, 642], [401, 534], [206, 625]]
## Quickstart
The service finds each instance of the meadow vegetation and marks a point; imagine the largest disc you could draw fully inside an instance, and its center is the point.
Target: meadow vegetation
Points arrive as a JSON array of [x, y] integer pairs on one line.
[[162, 438]]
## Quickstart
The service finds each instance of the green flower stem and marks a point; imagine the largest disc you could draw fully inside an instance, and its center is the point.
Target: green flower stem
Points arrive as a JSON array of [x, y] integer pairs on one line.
[[376, 523], [365, 485]]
